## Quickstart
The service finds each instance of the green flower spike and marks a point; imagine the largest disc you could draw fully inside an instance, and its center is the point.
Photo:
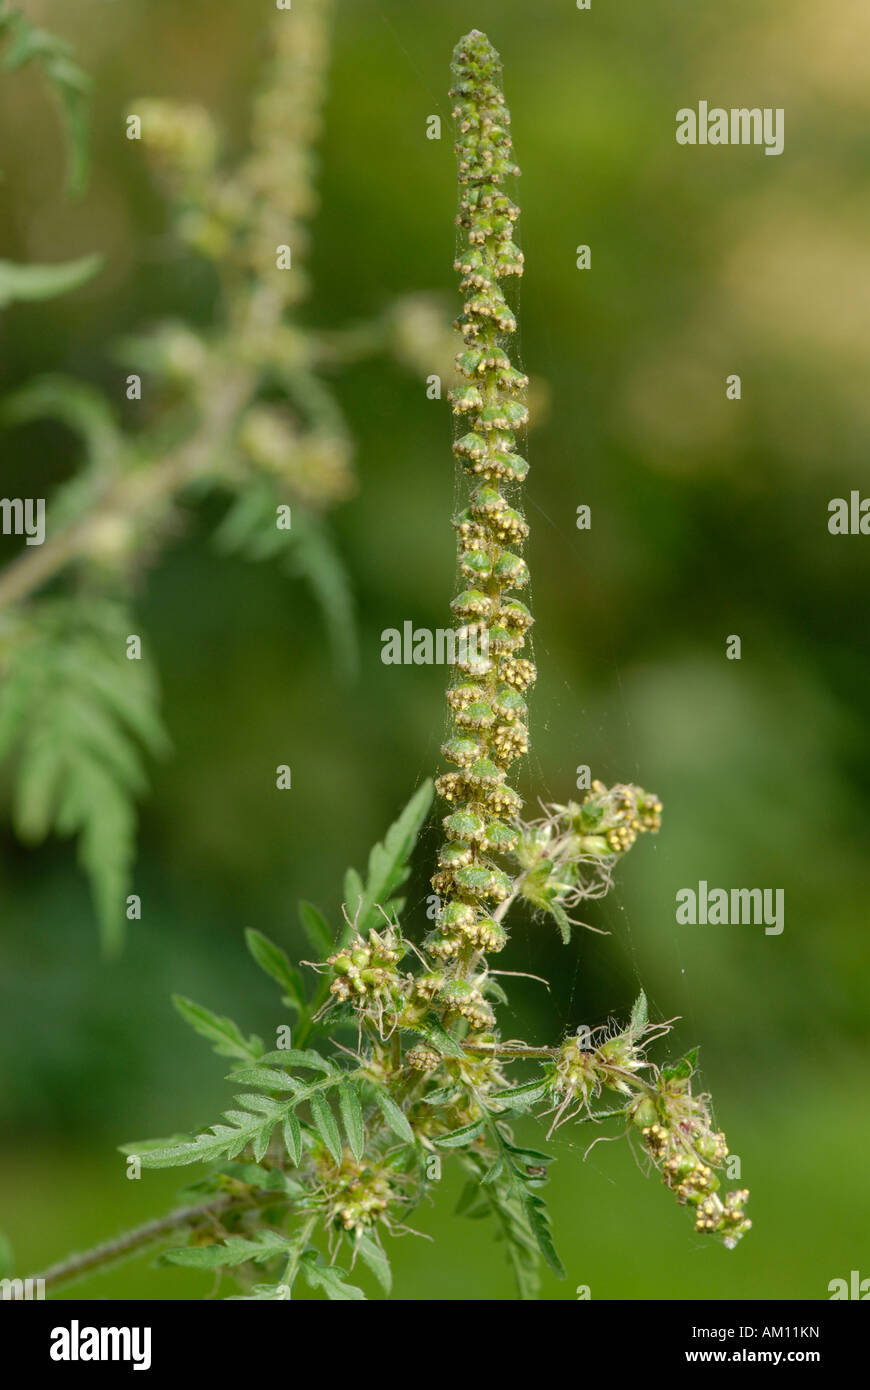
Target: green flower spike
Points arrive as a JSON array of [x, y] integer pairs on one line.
[[487, 711]]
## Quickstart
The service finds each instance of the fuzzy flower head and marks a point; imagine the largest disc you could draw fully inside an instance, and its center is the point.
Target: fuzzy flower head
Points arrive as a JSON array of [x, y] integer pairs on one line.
[[567, 856], [365, 975], [610, 1058], [357, 1195]]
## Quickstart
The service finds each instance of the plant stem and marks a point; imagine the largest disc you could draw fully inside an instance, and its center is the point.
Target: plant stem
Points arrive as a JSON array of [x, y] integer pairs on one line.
[[131, 494], [295, 1259], [76, 1266], [511, 1050]]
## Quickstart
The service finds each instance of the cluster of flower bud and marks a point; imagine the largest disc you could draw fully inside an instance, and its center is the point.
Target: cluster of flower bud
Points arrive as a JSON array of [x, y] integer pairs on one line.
[[314, 464], [457, 998], [611, 1061], [358, 1194], [678, 1134], [460, 927], [567, 856], [365, 973], [466, 1098]]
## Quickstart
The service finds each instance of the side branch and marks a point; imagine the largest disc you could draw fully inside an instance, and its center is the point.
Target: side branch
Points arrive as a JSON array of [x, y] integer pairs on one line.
[[77, 1266], [129, 495]]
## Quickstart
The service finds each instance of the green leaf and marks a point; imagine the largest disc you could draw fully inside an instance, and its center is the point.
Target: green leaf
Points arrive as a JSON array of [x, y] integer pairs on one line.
[[639, 1015], [326, 1125], [69, 84], [534, 1155], [493, 1174], [292, 1134], [459, 1138], [388, 864], [78, 714], [468, 1197], [372, 1255], [222, 1141], [268, 1077], [228, 1040], [683, 1069], [395, 1118], [315, 557], [307, 551], [142, 1146], [445, 1095], [494, 990], [35, 282], [561, 918], [276, 963], [539, 1221], [438, 1036], [262, 1293], [298, 1057], [251, 1126], [232, 1251], [354, 892], [77, 405], [331, 1279], [317, 930], [522, 1210], [352, 1118], [501, 1189], [263, 1179], [521, 1097]]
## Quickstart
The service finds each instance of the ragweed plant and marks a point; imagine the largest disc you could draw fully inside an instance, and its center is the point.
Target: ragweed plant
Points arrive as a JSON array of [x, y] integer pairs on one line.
[[243, 410], [330, 1148]]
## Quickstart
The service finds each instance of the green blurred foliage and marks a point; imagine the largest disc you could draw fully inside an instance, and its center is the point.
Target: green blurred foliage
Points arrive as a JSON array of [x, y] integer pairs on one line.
[[709, 518]]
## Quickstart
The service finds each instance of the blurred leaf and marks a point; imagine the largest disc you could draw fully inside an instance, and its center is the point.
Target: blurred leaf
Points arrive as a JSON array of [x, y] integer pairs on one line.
[[32, 282], [308, 553], [76, 711], [315, 558], [70, 84], [78, 406]]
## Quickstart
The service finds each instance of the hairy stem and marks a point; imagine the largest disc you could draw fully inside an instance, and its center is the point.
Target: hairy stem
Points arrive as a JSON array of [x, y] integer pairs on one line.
[[77, 1266]]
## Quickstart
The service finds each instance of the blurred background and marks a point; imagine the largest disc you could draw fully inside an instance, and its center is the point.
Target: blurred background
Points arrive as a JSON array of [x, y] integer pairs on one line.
[[709, 518]]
